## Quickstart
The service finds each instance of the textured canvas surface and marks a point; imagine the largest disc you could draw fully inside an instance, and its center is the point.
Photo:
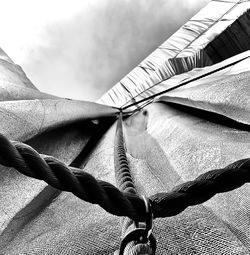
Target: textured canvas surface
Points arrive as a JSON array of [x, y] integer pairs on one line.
[[165, 147], [185, 133]]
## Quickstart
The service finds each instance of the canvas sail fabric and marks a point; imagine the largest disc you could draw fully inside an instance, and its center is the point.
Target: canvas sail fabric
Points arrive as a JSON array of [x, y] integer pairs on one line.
[[234, 39], [233, 65], [53, 126], [192, 81], [166, 146], [169, 142], [190, 47], [225, 92], [12, 73]]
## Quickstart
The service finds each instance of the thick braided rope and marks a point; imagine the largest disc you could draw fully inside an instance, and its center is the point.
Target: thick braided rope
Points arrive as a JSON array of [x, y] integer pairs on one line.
[[201, 189], [27, 161], [123, 176], [125, 183]]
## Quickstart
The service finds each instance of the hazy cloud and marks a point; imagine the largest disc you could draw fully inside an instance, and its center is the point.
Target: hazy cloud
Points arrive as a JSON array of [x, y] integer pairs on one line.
[[84, 52]]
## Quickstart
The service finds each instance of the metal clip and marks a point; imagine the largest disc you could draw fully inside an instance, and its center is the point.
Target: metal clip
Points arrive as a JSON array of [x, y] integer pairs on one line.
[[139, 234]]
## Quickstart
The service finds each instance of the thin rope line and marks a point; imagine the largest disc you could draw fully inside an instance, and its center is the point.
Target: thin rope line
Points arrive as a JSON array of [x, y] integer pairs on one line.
[[181, 84], [219, 19]]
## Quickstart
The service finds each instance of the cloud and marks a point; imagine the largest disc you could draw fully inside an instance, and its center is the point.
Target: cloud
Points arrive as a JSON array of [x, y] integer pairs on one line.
[[80, 49]]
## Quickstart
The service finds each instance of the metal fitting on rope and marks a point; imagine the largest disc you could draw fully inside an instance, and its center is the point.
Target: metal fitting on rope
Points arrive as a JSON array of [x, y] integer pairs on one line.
[[142, 234]]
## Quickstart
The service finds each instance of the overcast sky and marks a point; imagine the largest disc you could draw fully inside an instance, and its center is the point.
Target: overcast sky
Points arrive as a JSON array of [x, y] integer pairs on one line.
[[81, 48]]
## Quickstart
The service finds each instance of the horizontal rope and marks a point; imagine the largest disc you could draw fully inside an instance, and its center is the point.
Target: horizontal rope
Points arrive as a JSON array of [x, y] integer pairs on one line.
[[28, 161]]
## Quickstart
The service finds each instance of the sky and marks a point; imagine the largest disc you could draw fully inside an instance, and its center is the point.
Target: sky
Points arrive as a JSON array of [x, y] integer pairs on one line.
[[80, 48]]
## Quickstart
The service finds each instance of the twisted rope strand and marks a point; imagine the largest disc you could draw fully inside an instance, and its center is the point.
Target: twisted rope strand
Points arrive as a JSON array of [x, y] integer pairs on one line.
[[28, 162], [122, 172], [201, 189], [125, 183]]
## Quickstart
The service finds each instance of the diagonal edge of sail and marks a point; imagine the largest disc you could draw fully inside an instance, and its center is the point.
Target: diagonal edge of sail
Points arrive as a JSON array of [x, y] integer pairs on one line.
[[182, 52], [13, 73], [219, 90]]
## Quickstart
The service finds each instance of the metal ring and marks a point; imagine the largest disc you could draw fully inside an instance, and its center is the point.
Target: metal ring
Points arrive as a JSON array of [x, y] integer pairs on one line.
[[141, 235]]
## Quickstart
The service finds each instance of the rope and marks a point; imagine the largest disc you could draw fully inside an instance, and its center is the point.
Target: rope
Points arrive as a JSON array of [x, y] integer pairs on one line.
[[126, 106], [122, 172], [125, 183], [201, 189], [27, 161]]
